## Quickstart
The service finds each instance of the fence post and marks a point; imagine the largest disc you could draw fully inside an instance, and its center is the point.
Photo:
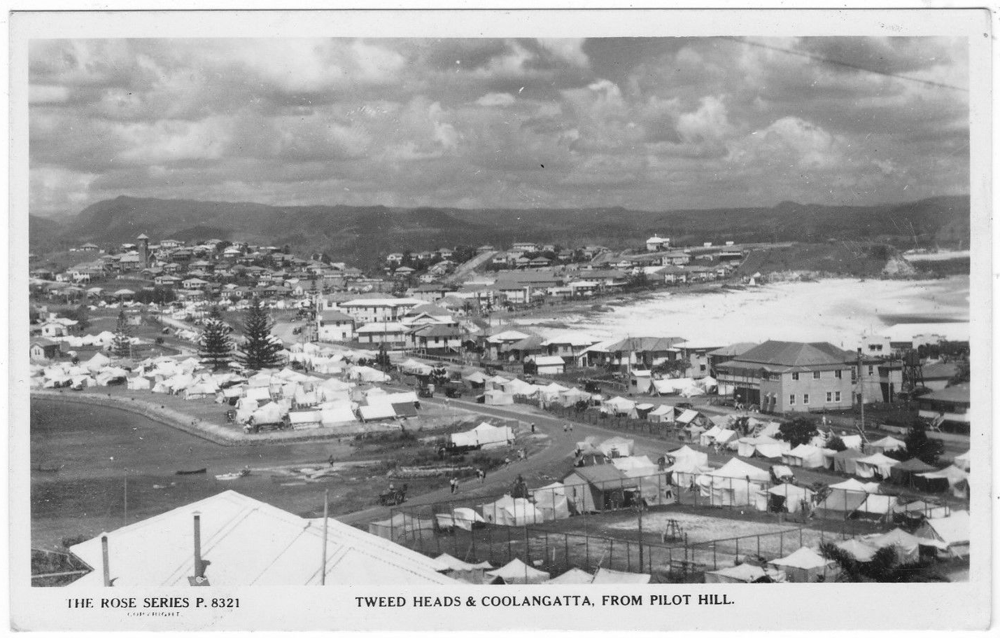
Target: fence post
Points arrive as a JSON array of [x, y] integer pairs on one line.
[[628, 556], [566, 543], [611, 555], [715, 562], [800, 537], [781, 544], [489, 541], [758, 544], [527, 545], [586, 540], [546, 555], [508, 543]]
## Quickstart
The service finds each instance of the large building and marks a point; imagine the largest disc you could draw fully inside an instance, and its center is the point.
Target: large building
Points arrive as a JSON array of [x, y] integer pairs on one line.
[[782, 376], [378, 310]]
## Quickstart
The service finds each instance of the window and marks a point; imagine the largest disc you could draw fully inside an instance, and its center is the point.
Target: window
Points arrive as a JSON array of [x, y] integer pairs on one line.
[[815, 375], [829, 397], [871, 370], [791, 399], [795, 376], [839, 374], [837, 396]]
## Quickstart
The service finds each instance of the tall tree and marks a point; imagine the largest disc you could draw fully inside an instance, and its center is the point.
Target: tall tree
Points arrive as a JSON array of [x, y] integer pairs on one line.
[[259, 348], [216, 348], [121, 345]]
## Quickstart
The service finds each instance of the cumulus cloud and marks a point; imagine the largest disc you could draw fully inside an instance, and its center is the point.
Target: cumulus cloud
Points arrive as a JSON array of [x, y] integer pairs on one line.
[[648, 123]]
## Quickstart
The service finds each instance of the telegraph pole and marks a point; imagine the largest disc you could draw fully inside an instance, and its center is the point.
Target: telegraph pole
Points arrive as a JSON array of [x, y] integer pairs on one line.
[[861, 390]]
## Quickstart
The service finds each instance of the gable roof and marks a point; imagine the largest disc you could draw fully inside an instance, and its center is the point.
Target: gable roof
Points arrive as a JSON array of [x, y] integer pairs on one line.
[[248, 542]]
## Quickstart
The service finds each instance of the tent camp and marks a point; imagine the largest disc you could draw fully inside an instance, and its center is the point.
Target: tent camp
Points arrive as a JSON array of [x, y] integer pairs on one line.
[[906, 472], [846, 461], [735, 483], [376, 412], [805, 566], [485, 435], [962, 461], [854, 485], [404, 528], [517, 572], [337, 414], [691, 456], [876, 507], [596, 488], [459, 565], [497, 397], [852, 442], [875, 466], [953, 531], [618, 406]]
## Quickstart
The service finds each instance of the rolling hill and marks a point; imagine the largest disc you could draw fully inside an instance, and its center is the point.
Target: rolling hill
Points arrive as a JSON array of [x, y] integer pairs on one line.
[[360, 235]]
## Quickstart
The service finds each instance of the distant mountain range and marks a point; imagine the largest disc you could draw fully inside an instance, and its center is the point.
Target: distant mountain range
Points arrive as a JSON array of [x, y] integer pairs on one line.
[[361, 235]]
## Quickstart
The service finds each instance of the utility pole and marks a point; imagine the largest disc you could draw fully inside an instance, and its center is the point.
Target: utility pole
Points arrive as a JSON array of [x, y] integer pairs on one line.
[[326, 525], [640, 534], [861, 390]]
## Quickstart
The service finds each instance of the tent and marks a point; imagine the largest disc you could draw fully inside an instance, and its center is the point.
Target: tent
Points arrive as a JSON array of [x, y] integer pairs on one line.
[[459, 565], [483, 434], [962, 461], [940, 480], [611, 577], [839, 504], [852, 442], [953, 531], [635, 466], [515, 512], [367, 375], [876, 507], [476, 379], [734, 483], [806, 566], [922, 509], [662, 414], [305, 419], [784, 498], [887, 444], [96, 362], [905, 473], [861, 552], [138, 383], [617, 446], [761, 446], [875, 466], [618, 406], [906, 545], [806, 456], [742, 573], [337, 413], [573, 396], [497, 397], [689, 416], [685, 453], [415, 368], [708, 436], [403, 528], [376, 412], [575, 576], [270, 413], [551, 501], [854, 485], [518, 573], [846, 461], [461, 517]]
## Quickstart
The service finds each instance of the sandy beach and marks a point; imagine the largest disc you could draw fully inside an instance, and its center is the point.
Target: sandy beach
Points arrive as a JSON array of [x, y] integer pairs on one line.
[[834, 310]]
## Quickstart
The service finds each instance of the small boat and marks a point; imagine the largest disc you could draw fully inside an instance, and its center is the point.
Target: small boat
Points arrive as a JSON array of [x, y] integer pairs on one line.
[[186, 472], [232, 476], [48, 468]]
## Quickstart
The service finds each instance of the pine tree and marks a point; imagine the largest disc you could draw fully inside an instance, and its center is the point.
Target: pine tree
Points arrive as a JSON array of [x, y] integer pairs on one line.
[[216, 346], [120, 343], [259, 349]]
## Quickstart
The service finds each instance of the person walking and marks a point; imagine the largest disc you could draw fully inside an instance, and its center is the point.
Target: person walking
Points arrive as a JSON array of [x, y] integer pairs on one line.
[[565, 428], [571, 426]]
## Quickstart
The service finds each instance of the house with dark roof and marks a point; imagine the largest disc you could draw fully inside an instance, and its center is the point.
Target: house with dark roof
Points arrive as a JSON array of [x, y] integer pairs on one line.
[[786, 376], [949, 406], [633, 352], [42, 349]]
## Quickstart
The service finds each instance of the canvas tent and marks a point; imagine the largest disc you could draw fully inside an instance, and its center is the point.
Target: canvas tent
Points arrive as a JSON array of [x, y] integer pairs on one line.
[[691, 456], [461, 517], [617, 446], [962, 461], [905, 473], [854, 485], [953, 531], [805, 456], [742, 573], [734, 483], [805, 566], [861, 552], [517, 572], [845, 462], [784, 498], [906, 545], [761, 446], [515, 512], [940, 480], [404, 528], [875, 466], [575, 576], [551, 501], [612, 577], [839, 504], [662, 414], [887, 444]]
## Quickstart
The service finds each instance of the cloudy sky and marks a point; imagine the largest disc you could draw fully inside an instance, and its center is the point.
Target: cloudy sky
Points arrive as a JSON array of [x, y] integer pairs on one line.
[[651, 124]]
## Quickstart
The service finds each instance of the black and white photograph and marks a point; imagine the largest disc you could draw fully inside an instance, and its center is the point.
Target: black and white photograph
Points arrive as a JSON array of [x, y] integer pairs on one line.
[[647, 305]]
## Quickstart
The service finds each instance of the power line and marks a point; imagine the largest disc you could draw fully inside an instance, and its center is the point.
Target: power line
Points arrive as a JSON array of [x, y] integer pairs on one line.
[[821, 59]]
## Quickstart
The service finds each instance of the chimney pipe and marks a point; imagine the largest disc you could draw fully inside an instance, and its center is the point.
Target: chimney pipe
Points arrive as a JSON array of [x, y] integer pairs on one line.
[[199, 566], [104, 554]]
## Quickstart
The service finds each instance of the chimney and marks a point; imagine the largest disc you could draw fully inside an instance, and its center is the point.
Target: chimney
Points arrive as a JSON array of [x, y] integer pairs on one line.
[[199, 566], [104, 555]]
